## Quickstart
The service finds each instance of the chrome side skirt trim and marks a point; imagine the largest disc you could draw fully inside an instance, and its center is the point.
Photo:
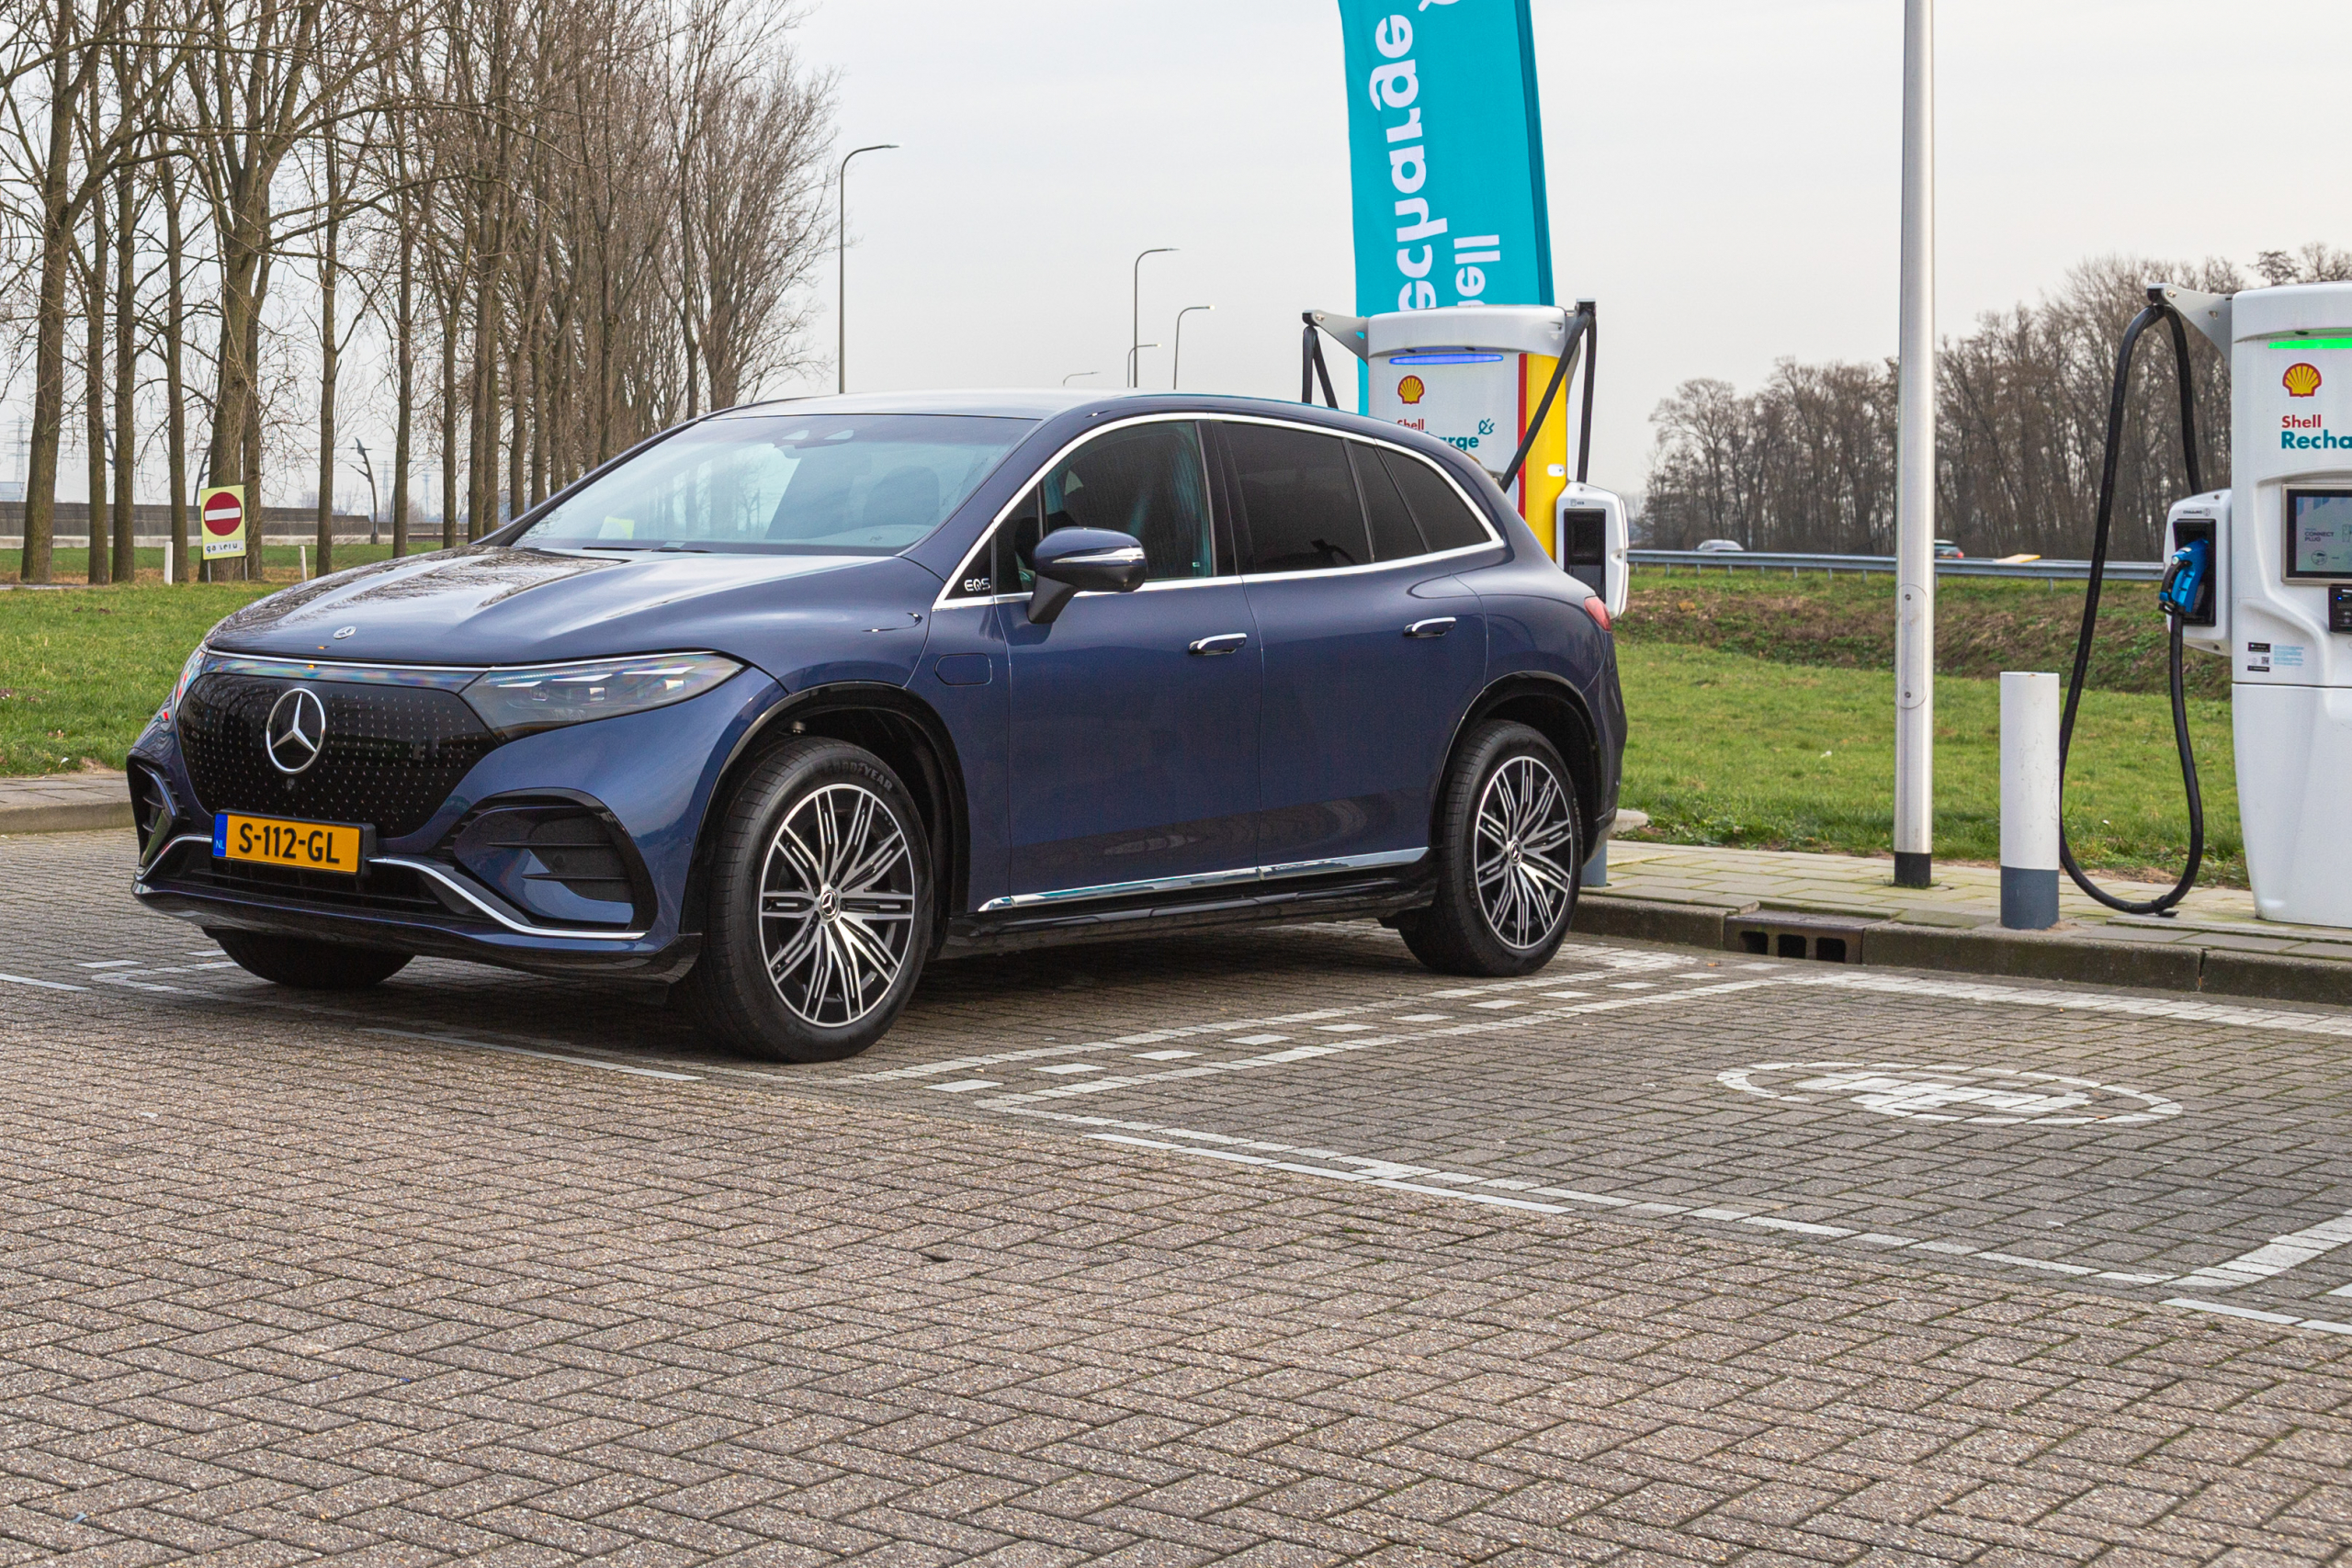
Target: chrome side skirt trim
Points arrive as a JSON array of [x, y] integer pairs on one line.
[[1205, 879]]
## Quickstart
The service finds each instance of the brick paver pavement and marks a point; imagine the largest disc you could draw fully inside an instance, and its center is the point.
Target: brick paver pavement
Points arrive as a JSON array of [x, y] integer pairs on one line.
[[485, 1268]]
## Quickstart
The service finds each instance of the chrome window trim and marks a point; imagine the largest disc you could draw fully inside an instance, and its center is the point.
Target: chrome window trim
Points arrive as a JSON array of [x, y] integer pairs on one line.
[[1477, 512], [1207, 879], [947, 595]]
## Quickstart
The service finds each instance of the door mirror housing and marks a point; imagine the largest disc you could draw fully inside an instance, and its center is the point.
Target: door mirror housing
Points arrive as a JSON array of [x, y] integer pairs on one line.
[[1070, 562]]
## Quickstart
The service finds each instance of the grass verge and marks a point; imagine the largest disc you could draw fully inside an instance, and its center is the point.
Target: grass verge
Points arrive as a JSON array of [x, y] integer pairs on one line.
[[1731, 748], [82, 670]]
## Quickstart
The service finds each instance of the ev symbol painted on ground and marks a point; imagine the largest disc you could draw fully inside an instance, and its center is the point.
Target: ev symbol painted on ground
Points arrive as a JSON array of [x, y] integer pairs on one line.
[[1948, 1091]]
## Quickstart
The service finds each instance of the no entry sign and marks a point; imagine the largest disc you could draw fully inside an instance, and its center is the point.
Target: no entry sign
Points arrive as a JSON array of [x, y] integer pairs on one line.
[[222, 508]]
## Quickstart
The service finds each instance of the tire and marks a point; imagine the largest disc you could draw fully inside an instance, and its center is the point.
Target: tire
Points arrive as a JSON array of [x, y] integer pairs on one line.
[[795, 967], [1508, 805], [308, 965]]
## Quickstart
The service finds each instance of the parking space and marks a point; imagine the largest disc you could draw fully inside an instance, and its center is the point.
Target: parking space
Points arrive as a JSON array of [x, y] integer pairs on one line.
[[1272, 1242]]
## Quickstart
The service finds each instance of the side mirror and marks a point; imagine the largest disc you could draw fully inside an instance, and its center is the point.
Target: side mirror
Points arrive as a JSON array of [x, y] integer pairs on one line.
[[1069, 561]]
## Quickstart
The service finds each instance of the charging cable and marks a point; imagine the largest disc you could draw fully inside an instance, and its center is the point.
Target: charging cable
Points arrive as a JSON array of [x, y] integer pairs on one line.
[[2188, 579]]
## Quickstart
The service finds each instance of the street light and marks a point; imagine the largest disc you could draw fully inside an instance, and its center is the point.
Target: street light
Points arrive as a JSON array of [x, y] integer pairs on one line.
[[1076, 374], [1135, 334], [370, 470], [1176, 370], [840, 265]]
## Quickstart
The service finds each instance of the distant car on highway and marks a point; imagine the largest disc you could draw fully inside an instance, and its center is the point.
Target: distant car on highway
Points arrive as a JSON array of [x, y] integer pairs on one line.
[[1720, 547], [1946, 551], [799, 696]]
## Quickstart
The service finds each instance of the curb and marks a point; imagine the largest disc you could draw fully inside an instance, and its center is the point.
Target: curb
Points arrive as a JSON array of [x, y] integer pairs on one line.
[[1856, 939], [78, 818]]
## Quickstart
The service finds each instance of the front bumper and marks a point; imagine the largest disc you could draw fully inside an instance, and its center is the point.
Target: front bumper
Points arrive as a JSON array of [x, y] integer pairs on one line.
[[649, 776]]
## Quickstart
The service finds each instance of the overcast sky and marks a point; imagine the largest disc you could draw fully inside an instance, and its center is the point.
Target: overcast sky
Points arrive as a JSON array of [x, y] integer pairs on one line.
[[1724, 173]]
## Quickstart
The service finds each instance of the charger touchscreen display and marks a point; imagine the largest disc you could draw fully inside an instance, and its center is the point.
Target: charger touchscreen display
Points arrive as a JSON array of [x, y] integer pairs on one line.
[[2319, 532]]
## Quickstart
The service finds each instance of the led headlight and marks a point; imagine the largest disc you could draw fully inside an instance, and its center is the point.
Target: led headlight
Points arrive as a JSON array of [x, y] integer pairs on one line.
[[546, 696], [188, 672]]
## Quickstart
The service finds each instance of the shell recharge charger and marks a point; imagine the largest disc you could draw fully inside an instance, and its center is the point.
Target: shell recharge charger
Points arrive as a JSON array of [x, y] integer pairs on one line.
[[2261, 573], [1491, 381]]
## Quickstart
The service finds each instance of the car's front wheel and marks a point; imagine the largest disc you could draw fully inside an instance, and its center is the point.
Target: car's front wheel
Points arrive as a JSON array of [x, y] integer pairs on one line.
[[819, 913], [1509, 858]]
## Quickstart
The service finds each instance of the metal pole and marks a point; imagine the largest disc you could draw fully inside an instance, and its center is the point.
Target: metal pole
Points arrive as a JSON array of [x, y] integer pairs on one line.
[[1135, 345], [1176, 370], [1915, 512], [1076, 374], [841, 265]]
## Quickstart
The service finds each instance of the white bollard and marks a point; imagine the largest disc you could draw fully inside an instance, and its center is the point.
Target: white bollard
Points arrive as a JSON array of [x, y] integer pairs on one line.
[[167, 558], [303, 562], [2029, 801]]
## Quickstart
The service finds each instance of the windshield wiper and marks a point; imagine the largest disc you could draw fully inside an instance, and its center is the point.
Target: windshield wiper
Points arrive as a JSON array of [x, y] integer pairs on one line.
[[615, 546]]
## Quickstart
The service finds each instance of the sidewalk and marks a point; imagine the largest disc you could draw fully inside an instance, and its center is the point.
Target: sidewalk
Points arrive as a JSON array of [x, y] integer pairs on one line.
[[65, 802], [1847, 909]]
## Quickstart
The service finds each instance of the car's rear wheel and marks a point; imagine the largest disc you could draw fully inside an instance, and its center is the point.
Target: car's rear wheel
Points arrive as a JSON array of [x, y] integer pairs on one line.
[[1509, 858], [308, 965], [819, 914]]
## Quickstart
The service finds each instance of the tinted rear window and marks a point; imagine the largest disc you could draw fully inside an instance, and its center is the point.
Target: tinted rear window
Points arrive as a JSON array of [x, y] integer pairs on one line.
[[1446, 522]]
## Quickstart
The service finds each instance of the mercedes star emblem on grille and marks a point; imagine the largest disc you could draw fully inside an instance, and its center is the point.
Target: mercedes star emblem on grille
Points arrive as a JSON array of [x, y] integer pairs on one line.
[[296, 730]]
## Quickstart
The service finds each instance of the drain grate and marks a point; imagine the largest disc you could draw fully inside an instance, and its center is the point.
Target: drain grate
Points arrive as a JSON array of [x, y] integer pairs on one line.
[[1828, 939]]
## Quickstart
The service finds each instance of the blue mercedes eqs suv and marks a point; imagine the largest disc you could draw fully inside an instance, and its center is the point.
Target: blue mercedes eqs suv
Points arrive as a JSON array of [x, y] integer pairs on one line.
[[797, 697]]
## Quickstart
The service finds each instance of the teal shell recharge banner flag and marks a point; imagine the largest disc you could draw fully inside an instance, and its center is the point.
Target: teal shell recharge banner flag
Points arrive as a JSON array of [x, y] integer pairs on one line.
[[1447, 154]]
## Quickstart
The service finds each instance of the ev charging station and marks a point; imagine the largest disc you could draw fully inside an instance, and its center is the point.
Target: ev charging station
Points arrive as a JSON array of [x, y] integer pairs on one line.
[[2277, 600], [1487, 379]]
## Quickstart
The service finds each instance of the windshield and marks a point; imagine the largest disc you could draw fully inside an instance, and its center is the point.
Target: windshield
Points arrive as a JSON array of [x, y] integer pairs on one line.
[[812, 484]]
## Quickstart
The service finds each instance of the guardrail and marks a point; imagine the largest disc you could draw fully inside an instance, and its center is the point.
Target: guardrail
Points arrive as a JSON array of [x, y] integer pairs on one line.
[[1797, 564]]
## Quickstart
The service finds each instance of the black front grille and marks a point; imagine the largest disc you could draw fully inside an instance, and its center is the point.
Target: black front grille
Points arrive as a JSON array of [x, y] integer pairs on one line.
[[391, 756]]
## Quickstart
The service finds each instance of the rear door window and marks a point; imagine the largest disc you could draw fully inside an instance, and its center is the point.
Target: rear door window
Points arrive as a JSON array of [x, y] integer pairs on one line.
[[1446, 521], [1298, 495]]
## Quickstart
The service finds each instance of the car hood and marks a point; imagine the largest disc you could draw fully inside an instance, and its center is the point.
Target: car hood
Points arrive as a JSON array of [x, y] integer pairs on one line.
[[492, 605]]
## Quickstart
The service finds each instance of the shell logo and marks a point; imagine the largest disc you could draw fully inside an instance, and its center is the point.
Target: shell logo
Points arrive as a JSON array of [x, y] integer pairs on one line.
[[2301, 379], [1410, 389]]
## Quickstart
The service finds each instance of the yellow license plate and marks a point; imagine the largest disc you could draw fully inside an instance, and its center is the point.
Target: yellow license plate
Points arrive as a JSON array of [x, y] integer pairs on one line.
[[274, 840]]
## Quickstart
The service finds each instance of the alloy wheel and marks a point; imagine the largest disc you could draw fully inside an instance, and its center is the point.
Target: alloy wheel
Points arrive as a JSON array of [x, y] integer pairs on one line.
[[837, 905], [1525, 823]]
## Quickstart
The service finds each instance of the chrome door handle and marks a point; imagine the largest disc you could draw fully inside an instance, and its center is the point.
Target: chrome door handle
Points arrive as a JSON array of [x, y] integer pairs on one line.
[[1228, 642], [1436, 626]]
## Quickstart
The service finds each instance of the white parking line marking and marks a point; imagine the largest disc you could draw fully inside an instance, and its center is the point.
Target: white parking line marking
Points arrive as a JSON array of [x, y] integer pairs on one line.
[[2275, 1256], [1070, 1068], [1427, 1017], [1526, 1194], [44, 985], [105, 962], [2083, 1002], [1164, 1055], [1333, 1047], [1260, 1039], [963, 1085], [544, 1055], [2323, 1325]]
